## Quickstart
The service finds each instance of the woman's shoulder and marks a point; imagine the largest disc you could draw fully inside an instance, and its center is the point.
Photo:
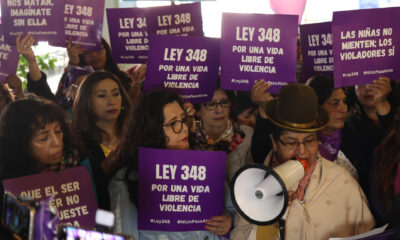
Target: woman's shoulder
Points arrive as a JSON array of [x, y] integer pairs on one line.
[[334, 172], [248, 131]]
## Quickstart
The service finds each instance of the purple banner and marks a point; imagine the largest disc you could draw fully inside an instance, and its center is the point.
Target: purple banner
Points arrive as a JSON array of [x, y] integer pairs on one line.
[[39, 18], [186, 65], [72, 189], [316, 49], [9, 57], [83, 22], [128, 34], [179, 189], [258, 46], [364, 43], [183, 19]]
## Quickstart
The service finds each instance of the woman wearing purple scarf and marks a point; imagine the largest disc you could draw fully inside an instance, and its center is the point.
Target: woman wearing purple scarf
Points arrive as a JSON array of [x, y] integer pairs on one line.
[[334, 102]]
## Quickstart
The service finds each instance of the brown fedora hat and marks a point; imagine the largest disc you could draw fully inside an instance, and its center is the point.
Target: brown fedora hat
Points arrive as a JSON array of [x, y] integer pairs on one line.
[[296, 109]]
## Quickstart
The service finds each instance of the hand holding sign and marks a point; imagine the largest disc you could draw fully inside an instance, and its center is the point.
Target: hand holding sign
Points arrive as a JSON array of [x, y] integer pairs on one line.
[[219, 225], [73, 52], [382, 88], [24, 47], [261, 96]]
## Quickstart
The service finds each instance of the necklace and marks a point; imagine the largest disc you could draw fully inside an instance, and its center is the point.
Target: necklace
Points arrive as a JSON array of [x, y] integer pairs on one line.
[[109, 144]]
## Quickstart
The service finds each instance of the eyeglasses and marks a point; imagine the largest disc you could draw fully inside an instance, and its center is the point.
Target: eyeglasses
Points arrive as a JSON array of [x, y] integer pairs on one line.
[[177, 125], [213, 105], [309, 144]]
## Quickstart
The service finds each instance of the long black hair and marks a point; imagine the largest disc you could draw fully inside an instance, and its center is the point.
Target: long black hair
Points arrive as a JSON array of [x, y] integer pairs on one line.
[[144, 129], [84, 117]]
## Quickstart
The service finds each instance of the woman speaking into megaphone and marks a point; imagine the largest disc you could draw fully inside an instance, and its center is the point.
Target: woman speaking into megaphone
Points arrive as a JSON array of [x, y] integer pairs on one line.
[[328, 202]]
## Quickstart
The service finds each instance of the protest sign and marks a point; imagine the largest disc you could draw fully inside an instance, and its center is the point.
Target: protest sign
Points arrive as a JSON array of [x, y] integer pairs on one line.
[[316, 49], [183, 19], [364, 43], [186, 65], [9, 57], [39, 18], [83, 22], [128, 34], [179, 189], [72, 189], [257, 46]]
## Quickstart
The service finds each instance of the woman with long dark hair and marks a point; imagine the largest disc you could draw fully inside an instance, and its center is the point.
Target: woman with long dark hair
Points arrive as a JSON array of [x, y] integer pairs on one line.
[[158, 121], [385, 188], [100, 111]]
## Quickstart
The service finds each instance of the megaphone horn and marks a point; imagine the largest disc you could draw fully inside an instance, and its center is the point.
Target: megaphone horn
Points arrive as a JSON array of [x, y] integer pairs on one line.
[[260, 193]]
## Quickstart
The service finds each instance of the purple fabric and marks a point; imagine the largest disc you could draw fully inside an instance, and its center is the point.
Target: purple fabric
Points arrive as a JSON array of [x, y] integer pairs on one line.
[[171, 181], [329, 146], [365, 45], [76, 72]]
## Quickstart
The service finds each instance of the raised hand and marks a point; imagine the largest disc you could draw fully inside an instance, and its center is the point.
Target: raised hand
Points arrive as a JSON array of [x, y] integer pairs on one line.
[[24, 47], [73, 52], [261, 96]]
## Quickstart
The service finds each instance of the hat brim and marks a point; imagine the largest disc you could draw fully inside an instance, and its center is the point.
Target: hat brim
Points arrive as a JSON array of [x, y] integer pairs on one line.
[[321, 121]]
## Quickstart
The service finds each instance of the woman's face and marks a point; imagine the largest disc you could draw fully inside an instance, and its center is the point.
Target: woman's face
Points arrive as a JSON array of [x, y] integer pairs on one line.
[[106, 100], [288, 146], [248, 117], [175, 130], [96, 59], [216, 114], [336, 108], [365, 95], [47, 145]]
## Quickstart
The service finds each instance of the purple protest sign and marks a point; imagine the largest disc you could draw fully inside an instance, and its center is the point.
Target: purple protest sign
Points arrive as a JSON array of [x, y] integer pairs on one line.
[[9, 57], [364, 44], [183, 19], [316, 49], [128, 34], [186, 65], [83, 22], [39, 18], [72, 188], [179, 189], [258, 46]]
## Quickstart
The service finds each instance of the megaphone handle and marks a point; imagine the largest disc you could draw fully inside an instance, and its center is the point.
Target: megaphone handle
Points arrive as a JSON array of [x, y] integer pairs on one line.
[[282, 229]]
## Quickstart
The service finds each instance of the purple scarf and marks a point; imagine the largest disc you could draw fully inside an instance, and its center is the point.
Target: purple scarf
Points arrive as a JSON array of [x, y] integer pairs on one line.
[[329, 145]]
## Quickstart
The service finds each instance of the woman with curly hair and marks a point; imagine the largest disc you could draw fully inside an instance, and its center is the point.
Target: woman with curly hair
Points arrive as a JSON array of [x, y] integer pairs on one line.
[[158, 121], [100, 110], [34, 137]]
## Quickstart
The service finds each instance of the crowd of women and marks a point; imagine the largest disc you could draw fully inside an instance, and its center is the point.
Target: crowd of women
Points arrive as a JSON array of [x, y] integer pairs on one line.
[[99, 117]]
